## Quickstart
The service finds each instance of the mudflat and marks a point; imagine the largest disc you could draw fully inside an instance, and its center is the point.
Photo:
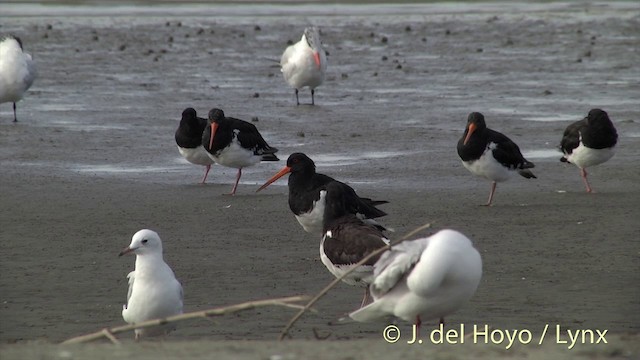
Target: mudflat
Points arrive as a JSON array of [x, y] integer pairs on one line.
[[92, 160]]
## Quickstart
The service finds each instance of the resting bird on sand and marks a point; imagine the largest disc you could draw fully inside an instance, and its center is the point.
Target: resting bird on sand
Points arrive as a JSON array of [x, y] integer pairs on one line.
[[304, 63], [423, 279], [235, 143], [589, 142], [154, 291], [307, 198], [17, 71], [490, 154], [189, 139], [347, 240]]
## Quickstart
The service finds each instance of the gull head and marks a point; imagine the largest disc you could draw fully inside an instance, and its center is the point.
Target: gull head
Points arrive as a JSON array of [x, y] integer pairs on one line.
[[144, 242]]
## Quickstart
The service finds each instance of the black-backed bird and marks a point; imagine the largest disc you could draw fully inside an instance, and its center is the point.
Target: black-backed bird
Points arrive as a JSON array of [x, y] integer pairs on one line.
[[307, 199], [589, 142], [235, 143], [189, 140], [491, 154]]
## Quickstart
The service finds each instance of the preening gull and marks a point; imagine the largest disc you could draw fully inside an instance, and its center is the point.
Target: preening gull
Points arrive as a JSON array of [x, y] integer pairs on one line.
[[304, 63], [17, 71]]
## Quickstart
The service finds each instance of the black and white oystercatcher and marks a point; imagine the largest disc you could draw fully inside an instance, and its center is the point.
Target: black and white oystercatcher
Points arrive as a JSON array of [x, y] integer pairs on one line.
[[588, 142], [347, 239], [235, 143], [307, 200], [490, 154], [189, 139]]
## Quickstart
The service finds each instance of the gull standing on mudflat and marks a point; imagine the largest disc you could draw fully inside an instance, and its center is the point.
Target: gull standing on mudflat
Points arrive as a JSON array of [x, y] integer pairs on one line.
[[17, 71], [347, 240], [423, 279], [491, 154], [304, 63], [588, 142], [307, 198], [154, 291], [235, 143], [189, 139]]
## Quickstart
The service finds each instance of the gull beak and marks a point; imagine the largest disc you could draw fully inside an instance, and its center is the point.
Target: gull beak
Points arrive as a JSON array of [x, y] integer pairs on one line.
[[214, 127], [472, 128], [127, 250], [316, 58], [285, 170]]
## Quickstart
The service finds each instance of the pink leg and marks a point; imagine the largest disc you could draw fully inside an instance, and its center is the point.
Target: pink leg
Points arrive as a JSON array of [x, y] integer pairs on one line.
[[583, 173], [206, 172], [233, 191], [365, 298], [418, 323], [493, 190]]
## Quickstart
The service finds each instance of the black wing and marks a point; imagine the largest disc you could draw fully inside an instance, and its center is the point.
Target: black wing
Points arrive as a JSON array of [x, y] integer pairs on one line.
[[351, 240], [507, 152], [571, 137]]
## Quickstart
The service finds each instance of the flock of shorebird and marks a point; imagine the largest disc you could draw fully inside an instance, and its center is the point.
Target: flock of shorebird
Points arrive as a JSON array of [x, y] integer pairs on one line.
[[416, 280]]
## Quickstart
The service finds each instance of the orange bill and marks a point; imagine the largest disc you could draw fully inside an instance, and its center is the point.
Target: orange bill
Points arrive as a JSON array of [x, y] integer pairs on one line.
[[214, 127], [472, 128], [284, 171]]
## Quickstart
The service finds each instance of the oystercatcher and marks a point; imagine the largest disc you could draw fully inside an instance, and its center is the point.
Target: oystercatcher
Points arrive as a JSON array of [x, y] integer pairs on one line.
[[423, 279], [347, 239], [490, 154], [189, 139], [304, 63], [235, 143], [307, 200], [154, 292], [17, 71], [588, 142]]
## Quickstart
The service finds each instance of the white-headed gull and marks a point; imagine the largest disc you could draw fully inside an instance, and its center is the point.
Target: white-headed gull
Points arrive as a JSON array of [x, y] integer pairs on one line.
[[235, 143], [423, 279], [347, 239], [17, 71], [491, 154], [304, 63], [189, 139], [588, 142], [154, 291]]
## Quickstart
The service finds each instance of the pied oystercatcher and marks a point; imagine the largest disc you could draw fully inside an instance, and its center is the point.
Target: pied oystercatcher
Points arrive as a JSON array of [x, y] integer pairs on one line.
[[588, 142], [189, 140], [235, 143], [491, 154], [307, 200]]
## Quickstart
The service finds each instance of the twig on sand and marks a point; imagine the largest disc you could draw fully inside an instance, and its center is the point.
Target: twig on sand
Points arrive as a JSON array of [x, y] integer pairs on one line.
[[109, 333], [324, 291]]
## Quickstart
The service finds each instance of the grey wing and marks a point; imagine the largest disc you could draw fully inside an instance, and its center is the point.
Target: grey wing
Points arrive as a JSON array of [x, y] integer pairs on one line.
[[394, 264], [286, 66], [32, 72], [131, 277]]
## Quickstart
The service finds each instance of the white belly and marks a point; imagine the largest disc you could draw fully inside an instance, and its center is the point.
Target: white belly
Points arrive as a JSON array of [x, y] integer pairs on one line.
[[584, 157], [488, 167], [313, 221], [235, 156], [198, 155]]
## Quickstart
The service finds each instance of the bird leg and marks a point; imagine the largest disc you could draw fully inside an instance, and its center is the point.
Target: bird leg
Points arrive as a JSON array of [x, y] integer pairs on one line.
[[583, 173], [297, 100], [418, 323], [233, 191], [313, 102], [493, 190], [365, 298], [206, 172], [15, 118]]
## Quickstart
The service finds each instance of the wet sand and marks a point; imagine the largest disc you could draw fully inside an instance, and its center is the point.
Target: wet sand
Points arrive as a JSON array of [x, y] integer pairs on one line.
[[92, 160]]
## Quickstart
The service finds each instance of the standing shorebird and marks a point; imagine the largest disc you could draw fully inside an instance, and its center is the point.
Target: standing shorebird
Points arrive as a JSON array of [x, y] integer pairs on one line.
[[154, 292], [491, 154], [423, 279], [189, 140], [304, 63], [307, 195], [588, 142], [235, 143], [17, 71]]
